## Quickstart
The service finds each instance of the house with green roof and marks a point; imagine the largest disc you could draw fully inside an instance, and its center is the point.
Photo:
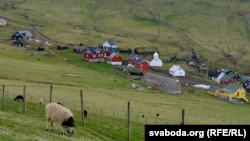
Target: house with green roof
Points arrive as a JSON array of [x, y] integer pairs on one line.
[[214, 90], [233, 92]]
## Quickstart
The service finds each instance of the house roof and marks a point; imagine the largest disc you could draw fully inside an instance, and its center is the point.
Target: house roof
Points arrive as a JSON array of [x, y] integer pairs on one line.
[[133, 56], [226, 78], [215, 74], [227, 71], [112, 49], [213, 88], [95, 50], [175, 68], [25, 33], [138, 61], [113, 54], [231, 87], [244, 77], [111, 42]]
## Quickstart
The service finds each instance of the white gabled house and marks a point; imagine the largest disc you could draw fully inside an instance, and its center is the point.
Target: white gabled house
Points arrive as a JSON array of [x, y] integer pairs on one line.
[[109, 43], [176, 70], [156, 60]]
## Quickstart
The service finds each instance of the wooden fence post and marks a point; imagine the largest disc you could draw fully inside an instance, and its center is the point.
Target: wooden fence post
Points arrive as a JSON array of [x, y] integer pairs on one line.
[[24, 102], [128, 121], [182, 117], [50, 97], [3, 99], [83, 123]]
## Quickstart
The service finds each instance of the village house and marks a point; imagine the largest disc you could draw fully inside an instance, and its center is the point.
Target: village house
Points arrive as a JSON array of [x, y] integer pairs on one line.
[[142, 64], [109, 50], [245, 82], [3, 22], [109, 43], [214, 90], [131, 60], [226, 79], [93, 54], [176, 70], [22, 34], [233, 92], [115, 59]]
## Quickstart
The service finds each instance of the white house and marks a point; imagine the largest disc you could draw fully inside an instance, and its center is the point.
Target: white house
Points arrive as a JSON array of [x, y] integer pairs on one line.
[[218, 78], [176, 70], [109, 43], [3, 22], [156, 60]]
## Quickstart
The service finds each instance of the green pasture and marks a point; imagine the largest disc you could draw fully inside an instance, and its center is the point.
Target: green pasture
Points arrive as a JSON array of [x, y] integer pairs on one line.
[[214, 29]]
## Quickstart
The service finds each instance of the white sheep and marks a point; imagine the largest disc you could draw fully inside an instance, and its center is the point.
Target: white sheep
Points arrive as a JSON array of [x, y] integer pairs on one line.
[[59, 114], [40, 101]]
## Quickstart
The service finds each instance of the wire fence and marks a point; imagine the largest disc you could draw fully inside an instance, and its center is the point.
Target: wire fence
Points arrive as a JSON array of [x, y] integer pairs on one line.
[[51, 93]]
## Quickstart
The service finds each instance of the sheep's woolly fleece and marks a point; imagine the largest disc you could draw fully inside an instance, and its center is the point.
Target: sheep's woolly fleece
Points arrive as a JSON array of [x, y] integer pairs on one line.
[[57, 113]]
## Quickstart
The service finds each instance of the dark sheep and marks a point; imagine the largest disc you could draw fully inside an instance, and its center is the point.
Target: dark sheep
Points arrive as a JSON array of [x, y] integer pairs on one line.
[[61, 48], [40, 49], [85, 113], [19, 97]]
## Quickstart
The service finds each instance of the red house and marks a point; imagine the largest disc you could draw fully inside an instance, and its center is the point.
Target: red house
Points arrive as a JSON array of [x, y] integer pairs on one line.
[[132, 59], [114, 59], [226, 79], [108, 51], [143, 65], [93, 54]]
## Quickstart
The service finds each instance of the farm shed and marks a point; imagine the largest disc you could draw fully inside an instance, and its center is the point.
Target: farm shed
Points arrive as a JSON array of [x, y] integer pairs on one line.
[[109, 43], [78, 50], [165, 84], [3, 22], [176, 70], [145, 50]]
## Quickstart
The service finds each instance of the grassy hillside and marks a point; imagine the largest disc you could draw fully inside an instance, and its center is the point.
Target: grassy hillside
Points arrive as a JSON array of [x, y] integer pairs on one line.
[[217, 30]]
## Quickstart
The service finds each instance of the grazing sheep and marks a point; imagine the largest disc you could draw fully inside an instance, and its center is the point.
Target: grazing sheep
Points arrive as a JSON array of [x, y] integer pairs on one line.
[[40, 101], [59, 114], [19, 97], [85, 113]]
